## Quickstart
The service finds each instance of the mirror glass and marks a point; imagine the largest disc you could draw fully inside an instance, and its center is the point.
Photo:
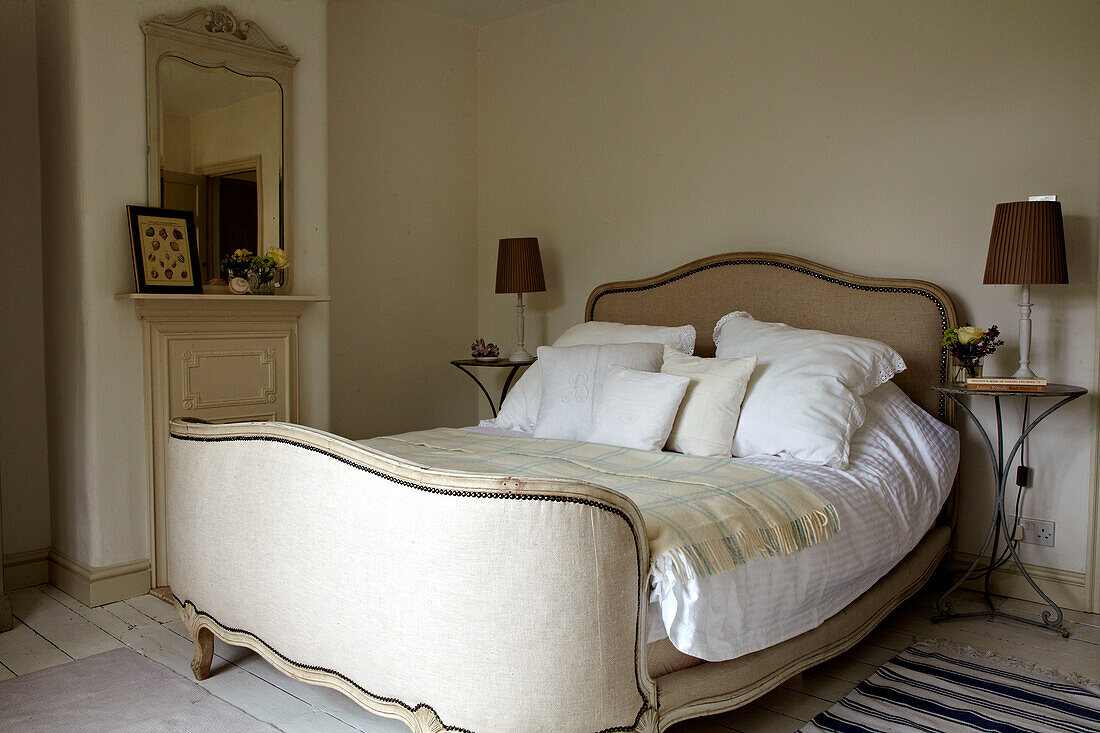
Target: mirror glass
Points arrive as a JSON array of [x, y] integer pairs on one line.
[[221, 156]]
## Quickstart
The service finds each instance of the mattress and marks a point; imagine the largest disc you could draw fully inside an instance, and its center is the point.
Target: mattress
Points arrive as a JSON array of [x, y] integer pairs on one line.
[[902, 466]]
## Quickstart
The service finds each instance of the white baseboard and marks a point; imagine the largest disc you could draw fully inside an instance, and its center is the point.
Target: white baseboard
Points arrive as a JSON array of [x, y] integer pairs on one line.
[[26, 568], [95, 586], [1065, 587]]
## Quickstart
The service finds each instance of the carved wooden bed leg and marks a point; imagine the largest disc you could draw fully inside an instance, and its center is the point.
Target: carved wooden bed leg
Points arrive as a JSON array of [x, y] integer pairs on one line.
[[204, 653]]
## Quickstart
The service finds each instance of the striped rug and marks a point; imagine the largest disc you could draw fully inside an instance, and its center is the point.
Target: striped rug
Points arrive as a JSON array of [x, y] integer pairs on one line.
[[934, 691]]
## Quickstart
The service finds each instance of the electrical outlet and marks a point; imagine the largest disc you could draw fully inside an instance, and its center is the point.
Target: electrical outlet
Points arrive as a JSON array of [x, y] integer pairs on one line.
[[1038, 532]]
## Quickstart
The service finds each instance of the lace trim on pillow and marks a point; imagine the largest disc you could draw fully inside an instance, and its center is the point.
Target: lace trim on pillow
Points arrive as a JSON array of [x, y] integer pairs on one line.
[[886, 372], [728, 316], [687, 339]]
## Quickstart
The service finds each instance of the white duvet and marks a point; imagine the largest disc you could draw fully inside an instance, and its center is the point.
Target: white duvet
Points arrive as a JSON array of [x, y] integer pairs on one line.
[[902, 465]]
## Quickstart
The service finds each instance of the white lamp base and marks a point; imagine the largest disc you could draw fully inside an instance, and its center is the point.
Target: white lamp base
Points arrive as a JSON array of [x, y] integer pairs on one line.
[[1024, 372], [520, 354]]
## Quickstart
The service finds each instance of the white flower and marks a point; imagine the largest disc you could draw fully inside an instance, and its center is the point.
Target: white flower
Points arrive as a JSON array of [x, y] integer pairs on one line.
[[967, 334], [279, 257]]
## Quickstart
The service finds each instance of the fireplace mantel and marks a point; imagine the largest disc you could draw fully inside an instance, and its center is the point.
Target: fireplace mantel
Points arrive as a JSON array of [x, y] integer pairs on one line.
[[218, 305], [219, 357]]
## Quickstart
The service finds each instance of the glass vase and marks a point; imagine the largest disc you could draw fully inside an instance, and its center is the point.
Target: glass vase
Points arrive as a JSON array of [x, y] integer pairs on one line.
[[261, 282], [964, 369]]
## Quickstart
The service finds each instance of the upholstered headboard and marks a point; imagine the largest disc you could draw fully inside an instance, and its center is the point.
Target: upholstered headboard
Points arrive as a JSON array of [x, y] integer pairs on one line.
[[909, 315]]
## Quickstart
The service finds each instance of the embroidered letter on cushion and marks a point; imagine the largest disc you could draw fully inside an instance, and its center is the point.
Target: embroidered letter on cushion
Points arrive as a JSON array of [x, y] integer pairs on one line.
[[572, 381], [521, 407]]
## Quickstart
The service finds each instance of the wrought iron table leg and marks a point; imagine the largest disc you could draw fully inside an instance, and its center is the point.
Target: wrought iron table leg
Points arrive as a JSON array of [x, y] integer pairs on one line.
[[484, 391], [1050, 621], [504, 393]]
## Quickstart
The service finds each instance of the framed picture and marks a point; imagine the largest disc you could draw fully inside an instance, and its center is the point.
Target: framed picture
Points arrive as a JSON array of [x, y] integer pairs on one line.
[[166, 252]]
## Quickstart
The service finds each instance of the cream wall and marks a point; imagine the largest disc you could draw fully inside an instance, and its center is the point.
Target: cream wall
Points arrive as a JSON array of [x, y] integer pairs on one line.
[[632, 136], [402, 164], [92, 125], [24, 484]]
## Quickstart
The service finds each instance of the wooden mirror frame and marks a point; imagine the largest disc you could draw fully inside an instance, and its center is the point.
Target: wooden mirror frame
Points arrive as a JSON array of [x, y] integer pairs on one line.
[[215, 38]]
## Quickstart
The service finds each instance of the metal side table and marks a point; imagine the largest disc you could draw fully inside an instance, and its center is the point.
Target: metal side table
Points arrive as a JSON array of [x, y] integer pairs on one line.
[[999, 524], [499, 363]]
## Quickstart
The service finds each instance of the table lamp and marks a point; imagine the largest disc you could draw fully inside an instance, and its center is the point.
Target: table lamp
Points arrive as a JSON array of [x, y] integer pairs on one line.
[[1026, 247], [519, 271]]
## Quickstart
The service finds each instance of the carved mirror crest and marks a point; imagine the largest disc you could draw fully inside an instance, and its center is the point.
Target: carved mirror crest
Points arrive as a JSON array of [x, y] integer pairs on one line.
[[219, 96]]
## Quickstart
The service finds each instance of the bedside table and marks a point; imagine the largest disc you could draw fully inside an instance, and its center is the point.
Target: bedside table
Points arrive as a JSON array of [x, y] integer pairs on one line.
[[1000, 464], [461, 364]]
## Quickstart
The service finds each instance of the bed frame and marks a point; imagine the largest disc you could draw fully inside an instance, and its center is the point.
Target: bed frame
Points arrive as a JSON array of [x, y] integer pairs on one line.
[[458, 602]]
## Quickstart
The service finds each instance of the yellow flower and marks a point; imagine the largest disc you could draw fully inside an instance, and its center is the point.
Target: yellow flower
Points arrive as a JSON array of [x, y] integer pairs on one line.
[[279, 257], [970, 333], [242, 253]]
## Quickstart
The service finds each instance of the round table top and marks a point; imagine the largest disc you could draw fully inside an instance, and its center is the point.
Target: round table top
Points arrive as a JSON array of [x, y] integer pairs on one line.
[[1052, 390], [501, 362]]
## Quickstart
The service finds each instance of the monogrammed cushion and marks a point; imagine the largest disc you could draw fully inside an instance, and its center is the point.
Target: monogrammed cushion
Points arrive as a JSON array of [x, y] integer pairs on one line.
[[572, 381], [520, 410]]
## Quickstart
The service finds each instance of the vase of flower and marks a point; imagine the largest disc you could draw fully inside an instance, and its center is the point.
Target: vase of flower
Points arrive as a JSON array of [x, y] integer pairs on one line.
[[236, 264], [261, 281], [970, 368], [970, 345], [263, 272]]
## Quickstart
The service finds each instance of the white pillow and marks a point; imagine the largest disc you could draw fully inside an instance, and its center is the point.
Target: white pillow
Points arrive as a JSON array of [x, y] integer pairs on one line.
[[572, 383], [520, 410], [681, 338], [637, 409], [708, 415], [804, 400], [862, 364]]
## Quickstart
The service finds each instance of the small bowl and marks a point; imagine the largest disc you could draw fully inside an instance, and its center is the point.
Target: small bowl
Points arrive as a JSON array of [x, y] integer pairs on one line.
[[487, 358]]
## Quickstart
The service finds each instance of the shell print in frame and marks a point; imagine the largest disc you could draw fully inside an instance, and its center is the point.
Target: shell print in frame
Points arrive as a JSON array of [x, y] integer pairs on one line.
[[167, 259]]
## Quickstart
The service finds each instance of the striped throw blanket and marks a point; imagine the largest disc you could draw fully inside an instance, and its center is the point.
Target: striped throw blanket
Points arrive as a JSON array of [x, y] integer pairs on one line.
[[706, 515]]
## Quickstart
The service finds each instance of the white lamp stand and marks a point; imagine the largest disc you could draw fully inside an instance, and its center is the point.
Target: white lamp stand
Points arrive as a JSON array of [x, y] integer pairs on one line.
[[520, 354], [1024, 372]]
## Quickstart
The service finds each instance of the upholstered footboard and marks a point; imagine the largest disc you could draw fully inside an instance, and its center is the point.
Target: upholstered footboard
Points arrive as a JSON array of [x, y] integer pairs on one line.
[[449, 601]]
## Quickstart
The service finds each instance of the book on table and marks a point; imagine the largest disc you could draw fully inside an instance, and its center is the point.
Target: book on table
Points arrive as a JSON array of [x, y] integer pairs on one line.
[[1006, 384]]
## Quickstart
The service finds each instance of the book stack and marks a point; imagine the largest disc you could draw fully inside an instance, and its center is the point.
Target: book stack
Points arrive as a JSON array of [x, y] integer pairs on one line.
[[1005, 384]]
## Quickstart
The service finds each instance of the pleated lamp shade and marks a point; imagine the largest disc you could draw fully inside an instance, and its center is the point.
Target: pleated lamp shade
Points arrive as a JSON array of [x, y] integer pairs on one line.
[[519, 266], [1027, 245]]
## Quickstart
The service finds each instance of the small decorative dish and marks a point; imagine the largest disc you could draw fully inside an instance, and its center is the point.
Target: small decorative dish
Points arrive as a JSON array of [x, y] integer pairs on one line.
[[483, 351]]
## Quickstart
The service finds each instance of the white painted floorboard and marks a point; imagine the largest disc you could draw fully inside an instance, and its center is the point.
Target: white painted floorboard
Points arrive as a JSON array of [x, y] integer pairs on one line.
[[53, 628]]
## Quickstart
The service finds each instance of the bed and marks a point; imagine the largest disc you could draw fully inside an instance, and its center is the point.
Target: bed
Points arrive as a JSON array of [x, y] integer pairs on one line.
[[486, 602]]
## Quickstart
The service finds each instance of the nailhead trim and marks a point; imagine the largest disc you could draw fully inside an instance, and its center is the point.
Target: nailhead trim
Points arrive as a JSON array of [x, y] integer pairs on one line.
[[431, 490], [805, 271]]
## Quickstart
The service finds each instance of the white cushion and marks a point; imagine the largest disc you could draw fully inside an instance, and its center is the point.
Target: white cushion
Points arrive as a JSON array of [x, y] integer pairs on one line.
[[708, 415], [521, 407], [572, 382], [637, 409], [681, 338], [804, 400]]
